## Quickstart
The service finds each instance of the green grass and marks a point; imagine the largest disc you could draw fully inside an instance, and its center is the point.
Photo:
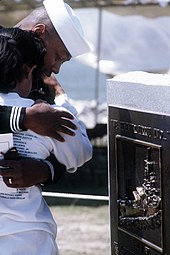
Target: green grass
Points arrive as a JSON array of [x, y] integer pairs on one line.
[[82, 230]]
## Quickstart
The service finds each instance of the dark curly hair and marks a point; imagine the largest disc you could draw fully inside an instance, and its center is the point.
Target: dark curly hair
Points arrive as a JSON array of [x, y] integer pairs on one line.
[[18, 47]]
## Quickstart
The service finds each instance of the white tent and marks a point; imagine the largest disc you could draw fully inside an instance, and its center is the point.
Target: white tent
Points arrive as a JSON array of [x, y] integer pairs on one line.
[[129, 42]]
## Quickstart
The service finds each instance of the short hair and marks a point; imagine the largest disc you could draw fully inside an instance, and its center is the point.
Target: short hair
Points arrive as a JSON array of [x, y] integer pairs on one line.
[[18, 47], [38, 15]]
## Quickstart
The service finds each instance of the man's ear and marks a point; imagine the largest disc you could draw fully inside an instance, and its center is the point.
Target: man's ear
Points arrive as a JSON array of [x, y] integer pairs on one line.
[[39, 29]]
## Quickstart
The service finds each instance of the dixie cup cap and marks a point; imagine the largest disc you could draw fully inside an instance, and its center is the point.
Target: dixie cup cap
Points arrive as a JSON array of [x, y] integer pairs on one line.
[[67, 26]]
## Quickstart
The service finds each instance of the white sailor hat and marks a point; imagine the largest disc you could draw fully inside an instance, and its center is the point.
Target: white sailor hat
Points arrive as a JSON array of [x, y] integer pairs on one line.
[[67, 26]]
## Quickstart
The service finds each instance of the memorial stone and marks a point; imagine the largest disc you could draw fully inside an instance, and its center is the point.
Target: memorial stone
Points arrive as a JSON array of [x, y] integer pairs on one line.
[[139, 163]]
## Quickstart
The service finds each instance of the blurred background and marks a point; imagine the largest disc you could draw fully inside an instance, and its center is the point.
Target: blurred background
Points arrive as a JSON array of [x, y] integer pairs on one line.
[[126, 35]]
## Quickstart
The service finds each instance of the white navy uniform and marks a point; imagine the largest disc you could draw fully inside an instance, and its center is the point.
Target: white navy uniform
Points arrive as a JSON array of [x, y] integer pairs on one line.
[[26, 223]]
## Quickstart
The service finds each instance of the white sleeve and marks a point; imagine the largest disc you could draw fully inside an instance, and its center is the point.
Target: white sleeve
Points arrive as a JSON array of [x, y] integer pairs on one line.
[[62, 100], [76, 150]]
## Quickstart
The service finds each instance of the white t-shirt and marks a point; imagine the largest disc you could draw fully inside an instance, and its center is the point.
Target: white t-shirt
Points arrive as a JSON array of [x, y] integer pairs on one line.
[[24, 209]]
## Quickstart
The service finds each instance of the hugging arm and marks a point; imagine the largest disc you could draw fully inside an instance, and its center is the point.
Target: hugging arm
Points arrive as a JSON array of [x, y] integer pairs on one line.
[[42, 119], [8, 122], [76, 150], [22, 172]]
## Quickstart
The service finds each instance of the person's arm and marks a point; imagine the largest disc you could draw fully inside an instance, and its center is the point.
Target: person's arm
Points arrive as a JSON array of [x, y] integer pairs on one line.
[[75, 151], [11, 119], [10, 122], [57, 170], [22, 172], [46, 121], [41, 118]]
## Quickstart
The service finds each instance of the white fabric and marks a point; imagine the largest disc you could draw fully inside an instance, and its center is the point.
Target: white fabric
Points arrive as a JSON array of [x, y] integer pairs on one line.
[[73, 153], [23, 210], [67, 26], [43, 244]]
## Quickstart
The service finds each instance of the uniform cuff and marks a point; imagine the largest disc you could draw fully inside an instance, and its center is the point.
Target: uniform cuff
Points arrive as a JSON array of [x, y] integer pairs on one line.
[[17, 118], [51, 168]]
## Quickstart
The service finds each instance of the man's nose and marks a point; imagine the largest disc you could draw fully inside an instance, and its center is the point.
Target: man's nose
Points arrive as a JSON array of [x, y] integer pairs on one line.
[[56, 67]]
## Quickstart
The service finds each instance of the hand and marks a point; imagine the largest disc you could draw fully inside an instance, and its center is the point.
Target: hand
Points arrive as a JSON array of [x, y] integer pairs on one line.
[[54, 84], [24, 172], [47, 121]]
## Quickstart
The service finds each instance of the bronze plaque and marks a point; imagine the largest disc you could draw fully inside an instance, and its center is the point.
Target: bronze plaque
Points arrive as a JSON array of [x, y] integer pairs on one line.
[[139, 162]]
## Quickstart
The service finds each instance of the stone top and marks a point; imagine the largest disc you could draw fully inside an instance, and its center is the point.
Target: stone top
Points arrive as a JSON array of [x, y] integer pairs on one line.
[[140, 91]]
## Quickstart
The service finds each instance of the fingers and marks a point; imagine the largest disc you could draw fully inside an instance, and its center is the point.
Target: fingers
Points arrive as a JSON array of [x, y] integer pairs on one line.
[[21, 173], [57, 136], [45, 120], [8, 175], [13, 178], [64, 114], [3, 167], [10, 182], [69, 124], [7, 172], [64, 126], [9, 168], [66, 131]]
